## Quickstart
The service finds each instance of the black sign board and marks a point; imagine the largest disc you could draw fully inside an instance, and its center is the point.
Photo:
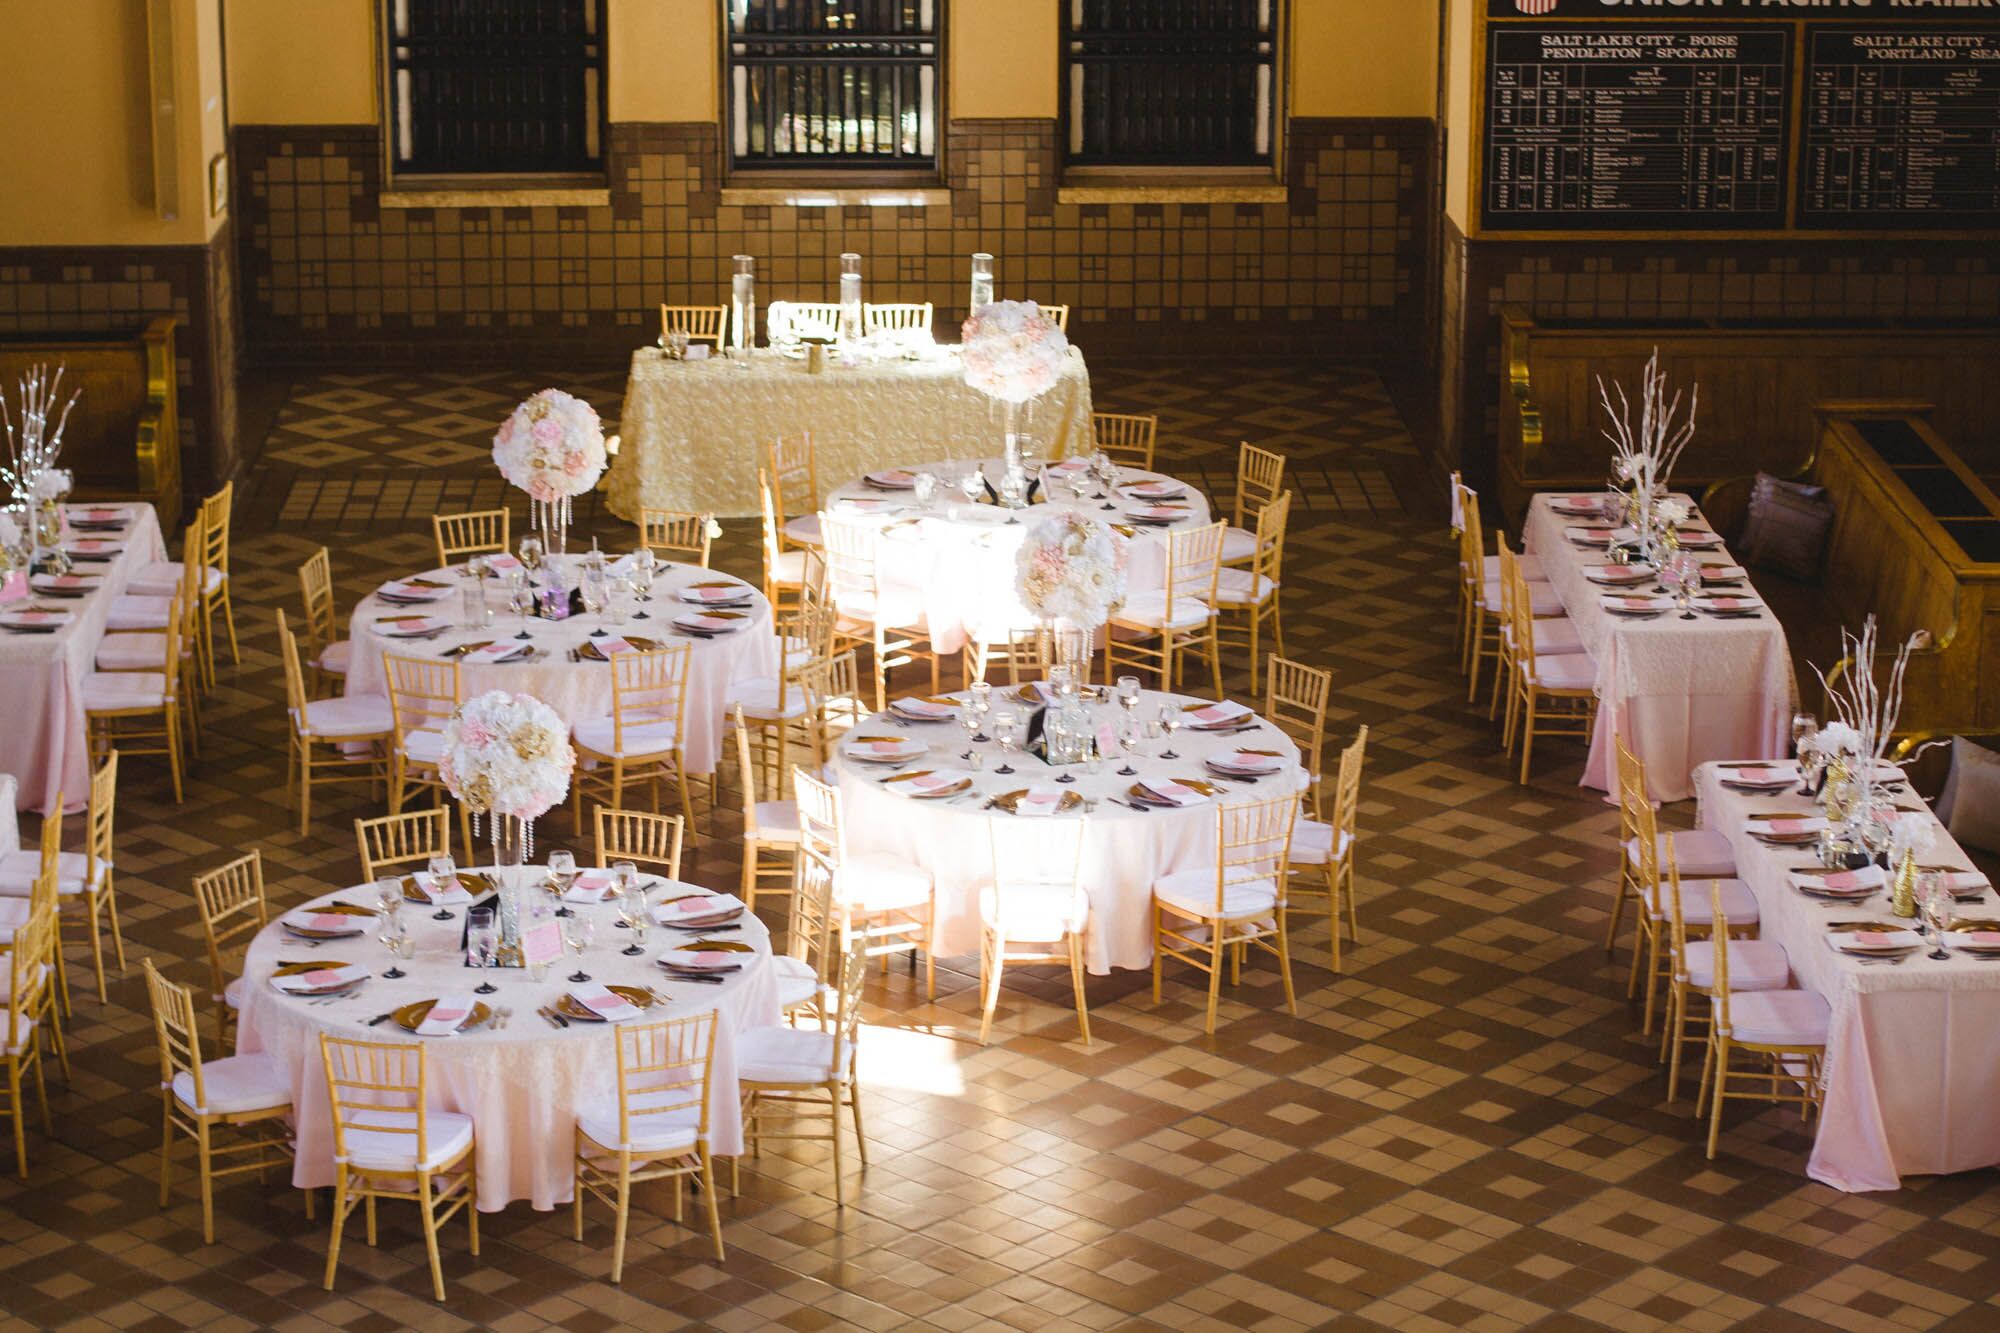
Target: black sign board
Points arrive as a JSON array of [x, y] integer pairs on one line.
[[1610, 127], [1702, 11], [1901, 128]]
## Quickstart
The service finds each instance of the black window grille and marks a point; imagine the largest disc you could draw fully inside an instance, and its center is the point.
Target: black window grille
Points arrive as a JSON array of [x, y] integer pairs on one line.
[[505, 87], [833, 83], [1169, 82]]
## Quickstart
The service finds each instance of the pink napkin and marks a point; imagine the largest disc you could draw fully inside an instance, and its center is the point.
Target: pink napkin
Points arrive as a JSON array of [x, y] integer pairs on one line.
[[887, 744], [321, 979], [938, 781], [616, 643], [711, 593], [93, 545], [1730, 603], [450, 894], [502, 564], [1886, 938], [99, 515], [327, 921], [1246, 761], [1985, 939], [702, 960], [498, 651], [15, 588], [1154, 489], [606, 1003], [1698, 538], [699, 621], [409, 592], [1174, 793], [893, 477], [1756, 776], [1870, 877], [1216, 714], [1963, 881], [542, 944], [413, 625], [589, 887], [447, 1015], [866, 504], [1159, 511], [1723, 573], [1633, 603], [698, 907], [921, 708], [1589, 536], [1618, 573], [1577, 504], [1789, 827], [1071, 465], [1040, 800], [36, 617], [65, 582]]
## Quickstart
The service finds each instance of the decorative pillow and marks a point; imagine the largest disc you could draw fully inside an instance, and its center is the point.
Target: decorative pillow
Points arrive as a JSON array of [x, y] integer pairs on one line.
[[1787, 526], [1969, 805]]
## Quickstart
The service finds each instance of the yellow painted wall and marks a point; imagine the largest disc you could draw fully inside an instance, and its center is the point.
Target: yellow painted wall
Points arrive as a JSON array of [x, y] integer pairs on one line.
[[1458, 114], [1364, 58], [302, 62], [1002, 59], [76, 142], [664, 59]]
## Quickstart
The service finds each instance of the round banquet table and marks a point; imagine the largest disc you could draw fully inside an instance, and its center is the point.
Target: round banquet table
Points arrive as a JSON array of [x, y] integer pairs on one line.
[[956, 559], [521, 1083], [1124, 850], [579, 690]]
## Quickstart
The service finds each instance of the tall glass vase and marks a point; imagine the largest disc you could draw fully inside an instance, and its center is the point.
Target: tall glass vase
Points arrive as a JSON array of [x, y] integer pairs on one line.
[[1072, 644], [1010, 417], [512, 839]]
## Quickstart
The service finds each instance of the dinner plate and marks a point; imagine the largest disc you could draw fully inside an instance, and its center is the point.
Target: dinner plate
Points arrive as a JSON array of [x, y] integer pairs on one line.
[[33, 620], [1613, 575], [925, 708], [1815, 884], [892, 479], [1141, 793], [300, 970], [1697, 539], [1260, 763], [717, 592], [1966, 936], [1723, 605], [1153, 490], [710, 624], [1633, 605], [516, 651], [1871, 938], [687, 958], [1581, 506], [471, 881], [65, 585], [578, 1012], [1011, 802], [1228, 715], [1589, 536], [918, 791], [592, 653], [411, 1016]]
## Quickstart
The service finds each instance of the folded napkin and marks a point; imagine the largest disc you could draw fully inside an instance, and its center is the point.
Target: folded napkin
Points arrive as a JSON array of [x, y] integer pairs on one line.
[[410, 592], [1612, 602], [64, 582], [449, 894], [1723, 573], [543, 943], [1154, 490], [699, 621], [1040, 799], [934, 781], [699, 593], [1246, 761], [1758, 777], [327, 921], [1173, 793], [447, 1015], [1977, 939], [1698, 539], [500, 650], [885, 747], [34, 617], [924, 708], [1787, 828], [1846, 881], [1220, 713], [1967, 882], [93, 546], [606, 1003], [320, 979], [866, 504], [697, 907], [615, 643], [893, 477], [1069, 465], [96, 515], [1589, 536], [502, 564], [703, 960], [1577, 504], [1158, 512], [1618, 573], [1885, 939], [589, 887], [1712, 602], [412, 626]]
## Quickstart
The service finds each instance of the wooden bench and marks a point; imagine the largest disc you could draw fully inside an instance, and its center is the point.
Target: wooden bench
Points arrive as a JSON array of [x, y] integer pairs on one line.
[[123, 440]]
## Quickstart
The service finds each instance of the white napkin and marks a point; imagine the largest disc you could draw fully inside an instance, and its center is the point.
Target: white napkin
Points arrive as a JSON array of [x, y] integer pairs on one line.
[[410, 626], [410, 591], [321, 979], [1845, 881], [1883, 939], [1174, 793], [450, 894], [698, 907], [1042, 799], [934, 781], [448, 1015], [606, 1003], [699, 593], [1246, 761], [589, 887], [923, 708], [1787, 827], [500, 650], [328, 921], [615, 643], [1218, 714]]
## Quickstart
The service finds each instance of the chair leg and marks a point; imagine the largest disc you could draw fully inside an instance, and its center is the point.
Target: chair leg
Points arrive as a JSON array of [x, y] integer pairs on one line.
[[97, 949], [833, 1117], [624, 1217], [1715, 1112], [166, 1147], [1156, 954], [1076, 984], [1617, 904], [1285, 959], [1527, 738], [229, 620], [341, 1207], [426, 1203], [20, 1112], [1214, 974], [854, 1104], [205, 1165], [708, 1192], [1333, 908]]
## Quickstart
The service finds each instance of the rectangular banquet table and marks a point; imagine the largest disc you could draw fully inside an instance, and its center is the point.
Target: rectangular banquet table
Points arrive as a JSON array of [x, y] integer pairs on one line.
[[1913, 1054], [695, 432], [1680, 692], [43, 743]]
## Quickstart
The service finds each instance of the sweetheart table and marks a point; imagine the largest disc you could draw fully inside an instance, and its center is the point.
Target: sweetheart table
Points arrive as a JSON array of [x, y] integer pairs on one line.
[[695, 432], [522, 1082]]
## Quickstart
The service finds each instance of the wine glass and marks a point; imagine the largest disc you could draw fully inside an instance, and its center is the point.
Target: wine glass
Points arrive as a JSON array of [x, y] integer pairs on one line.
[[521, 598], [1006, 730], [578, 929], [968, 722], [1936, 902], [981, 704], [924, 492], [485, 947], [444, 873], [531, 552], [594, 594], [624, 883], [645, 565], [1128, 693], [1171, 720], [1106, 473], [394, 934], [562, 873], [971, 483], [389, 895], [1129, 734]]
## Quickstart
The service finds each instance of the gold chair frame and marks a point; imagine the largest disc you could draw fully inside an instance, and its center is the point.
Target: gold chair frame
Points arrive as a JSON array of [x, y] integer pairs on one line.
[[474, 532], [1253, 844], [301, 751], [1194, 562], [675, 533], [792, 1104], [233, 907]]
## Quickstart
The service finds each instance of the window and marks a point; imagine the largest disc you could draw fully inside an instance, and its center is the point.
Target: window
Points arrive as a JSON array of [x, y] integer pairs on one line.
[[1169, 82], [502, 87], [833, 83]]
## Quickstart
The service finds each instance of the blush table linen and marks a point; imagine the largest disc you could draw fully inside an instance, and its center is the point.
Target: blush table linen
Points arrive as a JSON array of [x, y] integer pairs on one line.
[[1124, 850], [579, 690], [1680, 692], [695, 432], [523, 1084], [1913, 1052], [957, 559], [43, 741]]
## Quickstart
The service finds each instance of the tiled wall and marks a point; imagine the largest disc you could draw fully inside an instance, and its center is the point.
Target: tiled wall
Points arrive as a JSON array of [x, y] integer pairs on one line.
[[326, 271]]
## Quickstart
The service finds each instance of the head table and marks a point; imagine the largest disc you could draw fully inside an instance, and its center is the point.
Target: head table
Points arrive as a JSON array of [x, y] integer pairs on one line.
[[522, 1082], [1912, 1077], [578, 689], [694, 433], [1124, 849], [956, 557]]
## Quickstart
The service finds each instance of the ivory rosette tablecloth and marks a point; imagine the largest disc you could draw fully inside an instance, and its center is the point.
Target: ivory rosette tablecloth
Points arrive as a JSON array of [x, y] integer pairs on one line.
[[956, 560], [1913, 1054], [43, 742], [1681, 692], [1124, 850], [581, 690], [522, 1084], [694, 433]]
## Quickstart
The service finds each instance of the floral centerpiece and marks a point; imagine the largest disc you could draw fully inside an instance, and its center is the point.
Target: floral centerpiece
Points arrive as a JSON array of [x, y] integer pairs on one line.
[[1013, 354], [507, 757], [1070, 567], [1644, 451], [33, 428], [552, 447]]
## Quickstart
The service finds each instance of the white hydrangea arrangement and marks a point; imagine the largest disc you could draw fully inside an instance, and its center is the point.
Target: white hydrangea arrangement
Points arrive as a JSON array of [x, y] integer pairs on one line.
[[1012, 351], [552, 447], [507, 754], [1070, 567]]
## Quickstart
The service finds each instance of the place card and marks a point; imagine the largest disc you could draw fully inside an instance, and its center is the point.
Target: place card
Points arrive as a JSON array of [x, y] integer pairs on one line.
[[542, 944]]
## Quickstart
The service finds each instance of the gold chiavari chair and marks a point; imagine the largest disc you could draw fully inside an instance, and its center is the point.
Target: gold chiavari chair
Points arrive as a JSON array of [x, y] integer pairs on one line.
[[1129, 438], [675, 535], [701, 323], [204, 545], [896, 317], [95, 885], [43, 870], [1295, 702], [31, 1019], [835, 685], [389, 842], [1260, 478], [233, 909], [790, 321], [218, 514], [1247, 598], [1322, 854], [388, 1143], [1028, 653], [794, 465], [784, 569], [1552, 693], [423, 694], [893, 627], [478, 532], [1058, 313], [770, 828], [1033, 910], [655, 1129], [1473, 634], [322, 731], [205, 1100], [641, 837], [129, 648], [884, 902], [1756, 965], [1785, 1031], [1555, 633], [641, 740], [1181, 617], [1199, 914], [141, 712], [781, 710], [327, 653], [793, 1076], [808, 970]]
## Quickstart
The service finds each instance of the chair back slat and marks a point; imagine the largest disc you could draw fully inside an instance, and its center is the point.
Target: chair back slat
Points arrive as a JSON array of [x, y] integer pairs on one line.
[[1253, 844], [701, 323], [794, 465], [375, 1086], [31, 965], [295, 675], [411, 838], [1059, 312], [1347, 785], [1194, 561], [316, 592], [896, 317], [663, 1069], [852, 573], [675, 534], [648, 689], [847, 1028], [175, 1032], [423, 692], [100, 818], [635, 835], [233, 908], [1295, 702], [1260, 473], [476, 532], [1128, 438]]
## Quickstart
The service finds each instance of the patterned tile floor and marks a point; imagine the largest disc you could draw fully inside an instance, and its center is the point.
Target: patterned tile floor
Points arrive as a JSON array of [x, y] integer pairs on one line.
[[1462, 1132]]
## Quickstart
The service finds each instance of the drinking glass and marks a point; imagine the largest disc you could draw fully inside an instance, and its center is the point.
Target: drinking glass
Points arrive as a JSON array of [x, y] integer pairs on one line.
[[1128, 692], [394, 934], [925, 490], [530, 551], [624, 886], [578, 929], [968, 722], [1170, 721], [677, 344], [1106, 472], [444, 873], [521, 597], [595, 594], [485, 946], [562, 873], [1129, 735], [971, 484], [982, 704], [1006, 730], [389, 895], [1937, 904]]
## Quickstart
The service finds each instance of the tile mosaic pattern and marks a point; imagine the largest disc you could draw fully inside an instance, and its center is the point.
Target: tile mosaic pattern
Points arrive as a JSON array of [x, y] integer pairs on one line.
[[1462, 1132]]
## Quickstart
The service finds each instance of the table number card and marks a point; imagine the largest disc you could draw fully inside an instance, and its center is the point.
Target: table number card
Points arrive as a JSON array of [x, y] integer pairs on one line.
[[542, 944]]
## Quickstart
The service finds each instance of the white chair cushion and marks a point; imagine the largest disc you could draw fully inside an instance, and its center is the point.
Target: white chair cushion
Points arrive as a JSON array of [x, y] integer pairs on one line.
[[1193, 891], [1242, 587], [1036, 913], [447, 1132], [422, 746], [775, 822], [1555, 636], [232, 994], [13, 916], [1754, 965], [350, 715], [1700, 853], [7, 980], [1148, 610], [1779, 1017], [1312, 842], [132, 652], [129, 612], [236, 1083], [673, 1131], [15, 1041], [804, 530], [116, 691], [1542, 599], [1698, 908], [789, 568], [162, 578], [1237, 544], [784, 1055], [879, 882], [859, 612], [600, 735], [1531, 569], [797, 982], [759, 699], [1563, 671], [18, 871], [335, 657], [797, 652]]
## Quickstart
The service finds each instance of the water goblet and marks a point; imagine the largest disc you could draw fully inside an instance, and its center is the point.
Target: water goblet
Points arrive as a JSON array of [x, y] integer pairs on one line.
[[1170, 719], [562, 874], [392, 932], [485, 946], [924, 491], [1128, 693], [971, 483], [578, 929], [968, 722], [444, 874], [388, 895], [1129, 734], [1006, 730], [624, 886], [1936, 902], [981, 705], [594, 594], [521, 599]]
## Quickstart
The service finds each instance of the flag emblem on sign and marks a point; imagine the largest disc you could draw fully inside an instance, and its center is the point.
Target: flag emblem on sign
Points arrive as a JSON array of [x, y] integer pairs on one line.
[[1535, 6]]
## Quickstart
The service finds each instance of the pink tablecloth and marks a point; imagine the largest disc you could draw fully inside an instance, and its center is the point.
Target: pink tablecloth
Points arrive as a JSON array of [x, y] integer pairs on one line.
[[1913, 1056], [1680, 692], [42, 739], [523, 1085]]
